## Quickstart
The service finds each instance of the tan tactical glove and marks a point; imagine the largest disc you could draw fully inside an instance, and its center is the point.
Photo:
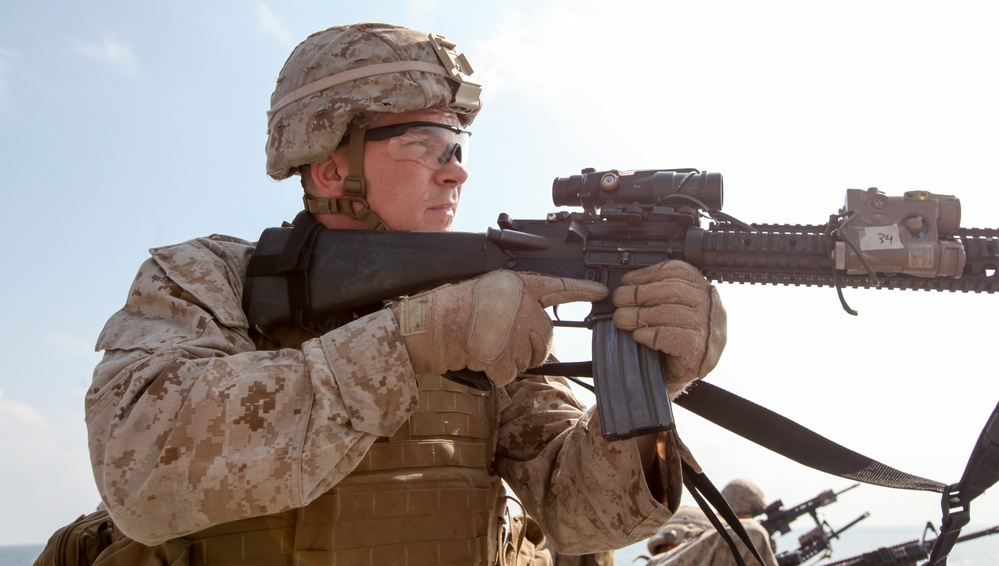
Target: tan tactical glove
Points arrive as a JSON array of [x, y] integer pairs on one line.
[[495, 323], [672, 308]]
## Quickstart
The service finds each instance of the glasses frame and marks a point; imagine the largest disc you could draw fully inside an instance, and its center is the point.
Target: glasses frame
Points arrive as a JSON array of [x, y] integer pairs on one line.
[[382, 133]]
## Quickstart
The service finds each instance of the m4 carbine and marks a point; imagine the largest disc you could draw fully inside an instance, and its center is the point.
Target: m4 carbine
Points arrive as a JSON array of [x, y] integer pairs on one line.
[[813, 542], [907, 552], [779, 519], [315, 278]]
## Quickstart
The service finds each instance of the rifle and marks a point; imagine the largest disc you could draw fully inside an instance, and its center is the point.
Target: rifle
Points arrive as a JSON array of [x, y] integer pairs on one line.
[[814, 542], [779, 519], [315, 278], [906, 552]]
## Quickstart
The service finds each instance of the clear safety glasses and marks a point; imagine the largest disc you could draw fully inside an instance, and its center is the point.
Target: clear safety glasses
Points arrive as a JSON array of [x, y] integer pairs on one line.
[[429, 143]]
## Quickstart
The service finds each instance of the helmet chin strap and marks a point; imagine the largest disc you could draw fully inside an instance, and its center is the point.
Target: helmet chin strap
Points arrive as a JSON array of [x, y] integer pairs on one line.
[[353, 187]]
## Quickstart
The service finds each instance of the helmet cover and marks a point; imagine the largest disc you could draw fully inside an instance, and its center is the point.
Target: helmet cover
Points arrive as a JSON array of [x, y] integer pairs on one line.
[[744, 496], [351, 74]]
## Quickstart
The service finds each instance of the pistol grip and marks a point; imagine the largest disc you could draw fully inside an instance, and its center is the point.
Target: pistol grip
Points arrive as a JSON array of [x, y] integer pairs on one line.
[[630, 382]]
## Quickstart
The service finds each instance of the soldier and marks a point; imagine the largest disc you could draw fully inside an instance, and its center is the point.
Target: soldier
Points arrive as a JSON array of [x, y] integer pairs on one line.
[[709, 549], [212, 443], [687, 524]]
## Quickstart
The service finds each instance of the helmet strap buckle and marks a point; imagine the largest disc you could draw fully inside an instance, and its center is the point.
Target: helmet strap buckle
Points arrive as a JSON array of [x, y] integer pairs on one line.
[[354, 188]]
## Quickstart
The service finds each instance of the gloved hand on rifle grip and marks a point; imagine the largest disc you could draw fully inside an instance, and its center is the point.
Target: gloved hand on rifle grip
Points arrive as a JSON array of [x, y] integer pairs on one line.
[[495, 323], [672, 308]]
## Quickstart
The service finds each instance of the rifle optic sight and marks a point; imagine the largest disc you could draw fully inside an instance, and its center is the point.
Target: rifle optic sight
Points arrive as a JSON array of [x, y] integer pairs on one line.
[[651, 187]]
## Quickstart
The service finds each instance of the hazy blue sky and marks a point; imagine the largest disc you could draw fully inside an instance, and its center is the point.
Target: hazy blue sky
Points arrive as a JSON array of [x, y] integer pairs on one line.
[[130, 125]]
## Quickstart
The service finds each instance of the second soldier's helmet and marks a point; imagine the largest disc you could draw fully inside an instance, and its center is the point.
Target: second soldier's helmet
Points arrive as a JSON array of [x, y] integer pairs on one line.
[[745, 497], [348, 75]]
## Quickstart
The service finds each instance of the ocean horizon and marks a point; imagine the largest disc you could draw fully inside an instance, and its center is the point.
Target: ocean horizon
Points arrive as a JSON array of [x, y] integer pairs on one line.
[[859, 540]]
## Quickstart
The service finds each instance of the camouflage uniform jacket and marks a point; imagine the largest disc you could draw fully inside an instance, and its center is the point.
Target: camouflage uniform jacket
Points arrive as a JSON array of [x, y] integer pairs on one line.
[[191, 426]]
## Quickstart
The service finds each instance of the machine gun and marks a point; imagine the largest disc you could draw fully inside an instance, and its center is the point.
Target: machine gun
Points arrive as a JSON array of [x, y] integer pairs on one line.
[[315, 278], [813, 542], [778, 519], [906, 552]]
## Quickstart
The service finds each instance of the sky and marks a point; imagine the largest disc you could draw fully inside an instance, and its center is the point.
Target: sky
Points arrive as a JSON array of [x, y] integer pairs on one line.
[[126, 125]]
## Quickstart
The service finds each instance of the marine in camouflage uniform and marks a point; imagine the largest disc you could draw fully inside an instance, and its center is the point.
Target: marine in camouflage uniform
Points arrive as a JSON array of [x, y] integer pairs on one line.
[[686, 524], [212, 444], [699, 544]]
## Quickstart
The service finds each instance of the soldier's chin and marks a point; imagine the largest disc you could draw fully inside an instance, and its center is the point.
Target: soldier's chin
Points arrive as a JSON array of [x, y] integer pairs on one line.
[[439, 219]]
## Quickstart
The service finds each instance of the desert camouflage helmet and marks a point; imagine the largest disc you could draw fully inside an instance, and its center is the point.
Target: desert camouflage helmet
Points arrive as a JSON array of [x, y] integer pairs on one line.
[[348, 75], [745, 497]]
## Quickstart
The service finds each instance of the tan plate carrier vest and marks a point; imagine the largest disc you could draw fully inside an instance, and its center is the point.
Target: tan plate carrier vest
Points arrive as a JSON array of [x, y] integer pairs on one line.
[[422, 496]]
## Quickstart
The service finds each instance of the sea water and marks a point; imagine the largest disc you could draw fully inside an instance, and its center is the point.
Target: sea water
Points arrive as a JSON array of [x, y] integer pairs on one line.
[[982, 551], [21, 555]]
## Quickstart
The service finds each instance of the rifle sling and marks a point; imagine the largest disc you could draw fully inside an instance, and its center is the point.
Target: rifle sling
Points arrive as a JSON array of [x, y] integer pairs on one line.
[[702, 489], [792, 440], [776, 433], [293, 263], [769, 430], [981, 473]]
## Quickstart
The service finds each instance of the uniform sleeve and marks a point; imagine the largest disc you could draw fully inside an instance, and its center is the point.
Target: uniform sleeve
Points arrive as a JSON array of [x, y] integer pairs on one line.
[[190, 426], [589, 494]]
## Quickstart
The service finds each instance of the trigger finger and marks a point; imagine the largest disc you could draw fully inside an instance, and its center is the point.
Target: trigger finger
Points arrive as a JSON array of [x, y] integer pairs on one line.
[[551, 291]]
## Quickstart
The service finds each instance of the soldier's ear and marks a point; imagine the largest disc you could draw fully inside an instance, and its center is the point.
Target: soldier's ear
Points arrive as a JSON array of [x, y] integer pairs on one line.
[[326, 177]]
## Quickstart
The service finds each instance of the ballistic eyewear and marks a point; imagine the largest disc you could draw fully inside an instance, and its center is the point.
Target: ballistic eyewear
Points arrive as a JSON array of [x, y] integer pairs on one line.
[[429, 143]]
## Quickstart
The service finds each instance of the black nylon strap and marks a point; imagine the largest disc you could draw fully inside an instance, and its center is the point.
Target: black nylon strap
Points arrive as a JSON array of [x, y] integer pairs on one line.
[[701, 488], [297, 252], [262, 265], [981, 473], [790, 439], [293, 263], [777, 433]]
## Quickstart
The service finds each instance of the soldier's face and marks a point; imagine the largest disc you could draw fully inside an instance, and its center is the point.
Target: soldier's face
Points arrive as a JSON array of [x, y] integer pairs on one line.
[[409, 194]]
